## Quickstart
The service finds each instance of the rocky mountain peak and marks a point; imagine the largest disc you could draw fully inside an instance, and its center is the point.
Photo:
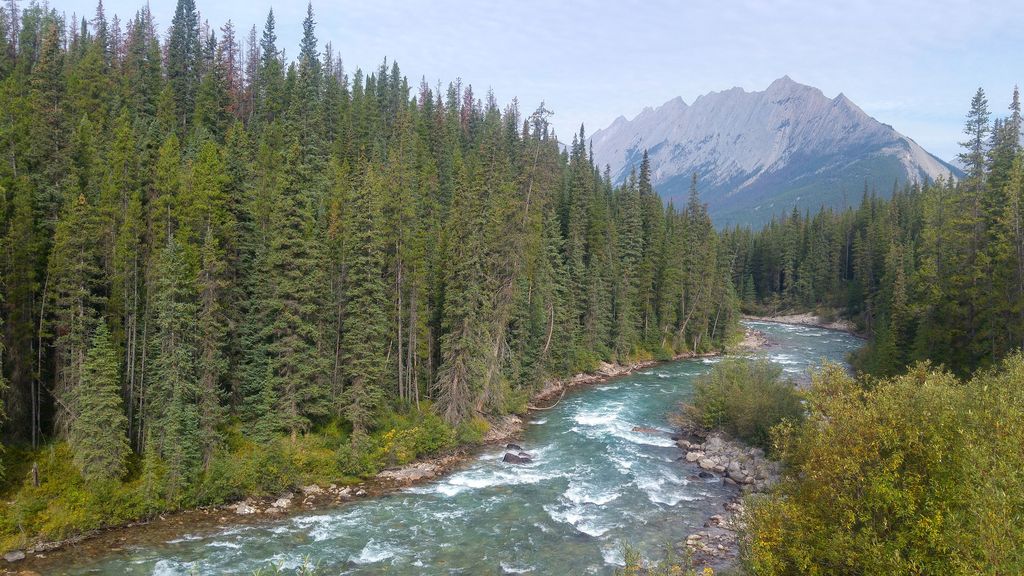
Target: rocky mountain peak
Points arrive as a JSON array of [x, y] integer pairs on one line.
[[761, 153]]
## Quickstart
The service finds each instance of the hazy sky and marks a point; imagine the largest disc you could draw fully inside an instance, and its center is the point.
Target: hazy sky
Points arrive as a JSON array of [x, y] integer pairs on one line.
[[913, 64]]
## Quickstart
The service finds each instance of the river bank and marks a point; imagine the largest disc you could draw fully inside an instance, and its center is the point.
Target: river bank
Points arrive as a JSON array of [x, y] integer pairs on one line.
[[605, 472], [314, 497], [812, 320], [745, 468]]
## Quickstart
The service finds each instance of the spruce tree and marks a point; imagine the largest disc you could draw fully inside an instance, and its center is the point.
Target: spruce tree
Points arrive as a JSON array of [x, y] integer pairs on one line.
[[294, 306], [173, 418], [183, 54], [98, 433], [365, 337]]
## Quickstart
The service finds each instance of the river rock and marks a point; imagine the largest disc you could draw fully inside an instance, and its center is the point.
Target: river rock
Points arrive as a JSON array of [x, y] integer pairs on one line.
[[706, 463], [694, 456], [515, 447], [521, 458], [360, 492], [410, 473], [284, 502], [734, 468], [705, 475], [244, 508], [15, 555], [312, 490], [714, 444]]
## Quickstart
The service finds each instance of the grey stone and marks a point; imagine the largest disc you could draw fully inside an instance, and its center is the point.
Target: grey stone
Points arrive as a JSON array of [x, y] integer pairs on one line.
[[14, 555]]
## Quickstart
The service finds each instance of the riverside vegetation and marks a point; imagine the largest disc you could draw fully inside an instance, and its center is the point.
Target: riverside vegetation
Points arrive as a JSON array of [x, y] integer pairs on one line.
[[228, 274], [912, 467]]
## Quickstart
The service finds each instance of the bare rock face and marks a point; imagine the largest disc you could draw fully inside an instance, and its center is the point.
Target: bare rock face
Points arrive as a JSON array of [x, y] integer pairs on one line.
[[751, 149]]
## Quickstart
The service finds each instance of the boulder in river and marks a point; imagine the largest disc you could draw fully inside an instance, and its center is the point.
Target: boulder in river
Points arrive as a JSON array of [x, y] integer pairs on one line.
[[521, 458], [515, 447]]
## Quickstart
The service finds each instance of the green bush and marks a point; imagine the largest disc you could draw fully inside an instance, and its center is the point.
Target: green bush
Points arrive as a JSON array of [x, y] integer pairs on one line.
[[64, 504], [746, 399], [473, 431], [918, 474], [403, 437]]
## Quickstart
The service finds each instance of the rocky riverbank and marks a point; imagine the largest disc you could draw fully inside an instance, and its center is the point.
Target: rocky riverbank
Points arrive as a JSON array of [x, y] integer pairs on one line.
[[809, 319], [746, 468], [753, 340], [312, 497]]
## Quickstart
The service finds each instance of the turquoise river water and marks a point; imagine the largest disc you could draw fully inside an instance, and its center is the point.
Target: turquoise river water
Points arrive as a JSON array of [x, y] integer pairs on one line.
[[594, 485]]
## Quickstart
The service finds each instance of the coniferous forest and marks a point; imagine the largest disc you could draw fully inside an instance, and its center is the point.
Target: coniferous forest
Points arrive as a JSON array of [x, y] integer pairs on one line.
[[225, 272], [934, 273]]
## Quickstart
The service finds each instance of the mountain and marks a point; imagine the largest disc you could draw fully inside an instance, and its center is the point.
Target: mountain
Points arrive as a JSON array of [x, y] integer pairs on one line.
[[761, 153]]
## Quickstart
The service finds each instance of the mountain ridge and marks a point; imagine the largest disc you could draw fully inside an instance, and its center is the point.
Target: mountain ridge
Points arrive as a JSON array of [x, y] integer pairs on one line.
[[763, 152]]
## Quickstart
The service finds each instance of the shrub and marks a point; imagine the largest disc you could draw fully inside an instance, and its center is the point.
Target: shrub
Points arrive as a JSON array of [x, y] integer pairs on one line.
[[473, 431], [918, 474], [746, 399], [670, 565]]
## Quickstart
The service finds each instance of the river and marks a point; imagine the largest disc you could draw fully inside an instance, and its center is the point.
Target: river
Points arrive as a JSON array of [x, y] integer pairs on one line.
[[593, 486]]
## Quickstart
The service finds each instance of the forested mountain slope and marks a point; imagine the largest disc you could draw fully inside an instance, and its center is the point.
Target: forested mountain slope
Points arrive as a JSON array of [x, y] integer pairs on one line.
[[224, 272], [936, 272], [760, 154]]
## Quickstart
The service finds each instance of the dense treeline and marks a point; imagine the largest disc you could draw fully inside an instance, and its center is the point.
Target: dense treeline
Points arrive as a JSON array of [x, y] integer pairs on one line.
[[936, 272], [206, 248]]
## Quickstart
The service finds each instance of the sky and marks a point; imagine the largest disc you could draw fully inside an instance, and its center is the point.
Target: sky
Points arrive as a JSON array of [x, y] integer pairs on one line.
[[913, 64]]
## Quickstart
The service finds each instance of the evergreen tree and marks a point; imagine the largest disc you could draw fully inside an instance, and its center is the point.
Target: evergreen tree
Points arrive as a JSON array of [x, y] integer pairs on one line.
[[99, 428], [183, 54], [293, 307], [365, 337], [173, 398]]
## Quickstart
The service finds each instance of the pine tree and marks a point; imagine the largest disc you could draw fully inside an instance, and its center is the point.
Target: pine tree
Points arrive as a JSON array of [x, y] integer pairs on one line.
[[183, 53], [173, 419], [365, 337], [294, 305], [98, 430]]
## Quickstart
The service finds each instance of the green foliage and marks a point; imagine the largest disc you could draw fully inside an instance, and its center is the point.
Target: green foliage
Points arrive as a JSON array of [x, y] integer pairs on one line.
[[98, 429], [285, 248], [472, 431], [747, 399], [917, 474], [67, 503], [669, 565], [935, 272]]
